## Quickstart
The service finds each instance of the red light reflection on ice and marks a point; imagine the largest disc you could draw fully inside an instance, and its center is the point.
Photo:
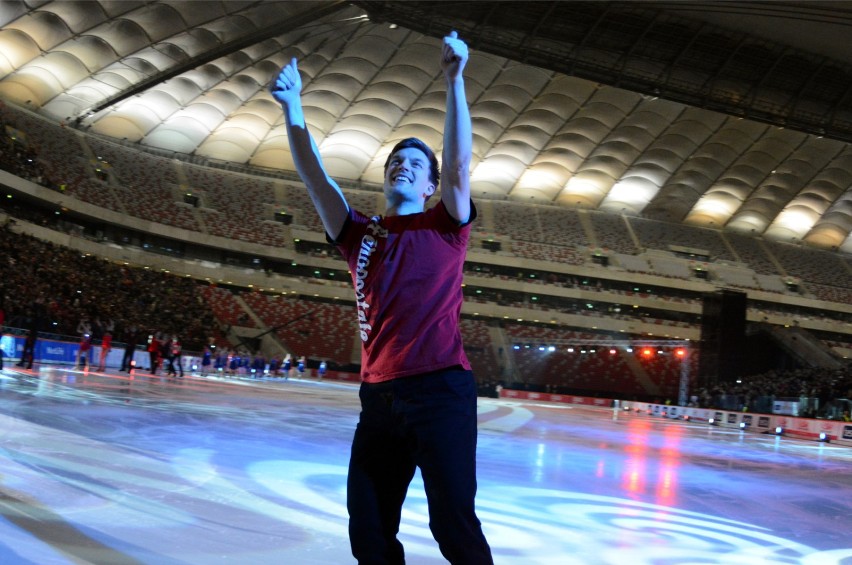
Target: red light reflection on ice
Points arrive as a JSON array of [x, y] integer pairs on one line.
[[647, 468]]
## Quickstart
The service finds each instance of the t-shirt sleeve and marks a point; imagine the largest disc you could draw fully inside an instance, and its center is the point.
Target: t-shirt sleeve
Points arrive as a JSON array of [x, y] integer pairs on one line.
[[346, 224], [455, 221], [348, 235]]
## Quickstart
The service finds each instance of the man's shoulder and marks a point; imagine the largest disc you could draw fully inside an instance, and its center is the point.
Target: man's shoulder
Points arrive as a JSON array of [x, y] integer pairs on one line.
[[439, 217]]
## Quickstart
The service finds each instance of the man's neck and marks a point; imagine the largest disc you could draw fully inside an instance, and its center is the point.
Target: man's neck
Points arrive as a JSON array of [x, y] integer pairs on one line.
[[404, 209]]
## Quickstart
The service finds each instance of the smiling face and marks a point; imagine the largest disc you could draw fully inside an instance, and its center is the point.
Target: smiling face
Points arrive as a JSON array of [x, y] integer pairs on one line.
[[410, 176], [407, 178]]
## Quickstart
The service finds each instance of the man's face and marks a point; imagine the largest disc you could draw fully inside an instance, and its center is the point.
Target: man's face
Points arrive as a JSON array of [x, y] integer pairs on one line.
[[407, 175]]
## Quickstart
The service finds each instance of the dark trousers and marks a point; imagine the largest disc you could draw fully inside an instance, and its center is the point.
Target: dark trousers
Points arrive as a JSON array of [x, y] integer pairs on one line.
[[175, 365], [426, 421], [127, 358], [28, 354]]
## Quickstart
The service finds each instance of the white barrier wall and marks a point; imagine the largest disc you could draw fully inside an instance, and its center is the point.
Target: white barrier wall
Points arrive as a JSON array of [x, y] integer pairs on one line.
[[837, 432], [806, 428], [54, 352]]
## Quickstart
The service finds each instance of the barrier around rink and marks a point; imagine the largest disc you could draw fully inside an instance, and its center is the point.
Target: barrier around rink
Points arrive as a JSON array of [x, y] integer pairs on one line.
[[56, 352], [836, 432]]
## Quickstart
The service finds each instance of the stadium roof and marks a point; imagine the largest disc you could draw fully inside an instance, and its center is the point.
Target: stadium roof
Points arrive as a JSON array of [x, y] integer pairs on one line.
[[733, 115]]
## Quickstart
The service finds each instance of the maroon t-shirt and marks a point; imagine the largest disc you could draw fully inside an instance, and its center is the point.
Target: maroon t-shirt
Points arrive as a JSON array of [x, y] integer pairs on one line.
[[407, 273]]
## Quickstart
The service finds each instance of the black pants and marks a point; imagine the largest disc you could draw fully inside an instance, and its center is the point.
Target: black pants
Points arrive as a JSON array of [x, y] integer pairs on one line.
[[426, 421], [175, 365], [28, 354], [127, 359]]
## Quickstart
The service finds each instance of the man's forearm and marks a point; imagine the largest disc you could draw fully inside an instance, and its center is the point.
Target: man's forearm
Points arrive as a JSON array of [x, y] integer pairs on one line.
[[324, 192], [458, 140], [302, 146]]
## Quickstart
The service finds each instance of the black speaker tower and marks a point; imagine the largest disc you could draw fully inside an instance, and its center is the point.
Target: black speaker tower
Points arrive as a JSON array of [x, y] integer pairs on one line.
[[723, 337]]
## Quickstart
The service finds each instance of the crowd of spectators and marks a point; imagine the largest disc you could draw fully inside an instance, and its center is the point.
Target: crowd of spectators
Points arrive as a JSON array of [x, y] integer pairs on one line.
[[19, 160], [819, 392], [53, 288], [20, 155]]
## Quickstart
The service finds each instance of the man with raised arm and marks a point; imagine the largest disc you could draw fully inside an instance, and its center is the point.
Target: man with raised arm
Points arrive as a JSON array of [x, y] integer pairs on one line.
[[418, 394]]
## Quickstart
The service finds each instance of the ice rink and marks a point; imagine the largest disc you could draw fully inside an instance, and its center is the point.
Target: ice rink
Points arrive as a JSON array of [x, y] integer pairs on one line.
[[119, 469]]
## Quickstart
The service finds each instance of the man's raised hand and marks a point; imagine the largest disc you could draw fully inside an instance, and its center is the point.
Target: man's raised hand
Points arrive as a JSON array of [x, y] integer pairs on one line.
[[453, 56], [287, 86]]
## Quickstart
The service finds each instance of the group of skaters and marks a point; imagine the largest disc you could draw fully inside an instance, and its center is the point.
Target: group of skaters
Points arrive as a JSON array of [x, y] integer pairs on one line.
[[236, 363], [90, 333], [165, 352]]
